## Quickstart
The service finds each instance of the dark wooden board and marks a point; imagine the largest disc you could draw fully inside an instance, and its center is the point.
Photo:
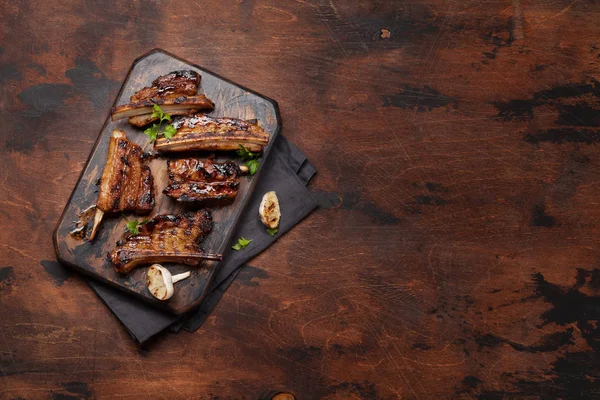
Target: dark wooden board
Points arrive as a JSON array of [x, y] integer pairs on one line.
[[89, 257]]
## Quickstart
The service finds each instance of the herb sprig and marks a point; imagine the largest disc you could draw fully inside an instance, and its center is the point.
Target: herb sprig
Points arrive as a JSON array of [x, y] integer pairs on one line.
[[133, 225], [156, 130], [242, 243], [272, 231], [250, 158]]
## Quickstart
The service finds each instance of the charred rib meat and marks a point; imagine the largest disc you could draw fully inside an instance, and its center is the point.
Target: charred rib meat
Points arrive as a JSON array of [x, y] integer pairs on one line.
[[171, 85], [165, 238], [126, 184], [140, 113], [201, 132], [192, 179], [176, 93]]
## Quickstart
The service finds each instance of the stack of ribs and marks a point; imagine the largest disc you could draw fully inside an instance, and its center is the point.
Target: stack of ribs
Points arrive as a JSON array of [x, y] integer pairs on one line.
[[201, 132], [176, 93], [165, 238], [126, 184], [191, 179]]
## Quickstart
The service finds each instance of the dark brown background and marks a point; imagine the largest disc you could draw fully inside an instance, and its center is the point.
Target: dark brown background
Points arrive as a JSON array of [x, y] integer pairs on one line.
[[455, 254]]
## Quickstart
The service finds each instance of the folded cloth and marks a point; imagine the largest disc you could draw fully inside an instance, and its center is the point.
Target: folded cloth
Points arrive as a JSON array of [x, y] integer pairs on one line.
[[286, 171]]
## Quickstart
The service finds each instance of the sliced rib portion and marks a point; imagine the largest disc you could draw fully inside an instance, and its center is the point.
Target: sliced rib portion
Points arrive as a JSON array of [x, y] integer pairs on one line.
[[201, 132], [192, 179], [126, 184], [140, 113], [173, 84], [165, 238], [176, 93]]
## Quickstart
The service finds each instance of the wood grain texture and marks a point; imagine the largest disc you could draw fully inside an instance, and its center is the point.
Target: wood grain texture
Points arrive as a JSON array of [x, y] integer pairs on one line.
[[89, 257], [455, 255]]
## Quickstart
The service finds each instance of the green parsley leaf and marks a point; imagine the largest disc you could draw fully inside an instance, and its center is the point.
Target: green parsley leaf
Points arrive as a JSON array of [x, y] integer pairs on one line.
[[158, 112], [169, 131], [250, 158], [272, 231], [152, 132], [245, 154], [252, 166], [133, 226], [156, 130], [242, 243]]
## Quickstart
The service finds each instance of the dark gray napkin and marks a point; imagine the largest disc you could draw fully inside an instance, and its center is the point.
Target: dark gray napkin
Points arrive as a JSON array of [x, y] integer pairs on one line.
[[286, 171]]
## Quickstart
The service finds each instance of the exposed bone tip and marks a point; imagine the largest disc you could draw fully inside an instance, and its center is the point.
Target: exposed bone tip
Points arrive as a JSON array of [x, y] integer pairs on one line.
[[212, 257], [118, 134], [97, 220]]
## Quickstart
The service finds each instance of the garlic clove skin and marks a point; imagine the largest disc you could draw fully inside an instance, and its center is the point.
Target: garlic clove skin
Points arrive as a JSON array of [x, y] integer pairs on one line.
[[269, 210]]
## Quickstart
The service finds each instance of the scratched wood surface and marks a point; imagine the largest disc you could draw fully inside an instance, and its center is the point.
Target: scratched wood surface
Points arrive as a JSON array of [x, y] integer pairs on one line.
[[455, 254], [89, 257]]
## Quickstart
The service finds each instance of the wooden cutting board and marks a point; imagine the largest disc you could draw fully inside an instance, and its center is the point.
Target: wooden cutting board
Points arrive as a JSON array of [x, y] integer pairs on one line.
[[231, 100]]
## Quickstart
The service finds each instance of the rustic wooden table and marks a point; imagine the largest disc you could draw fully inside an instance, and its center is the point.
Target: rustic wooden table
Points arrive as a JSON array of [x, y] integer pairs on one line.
[[455, 254]]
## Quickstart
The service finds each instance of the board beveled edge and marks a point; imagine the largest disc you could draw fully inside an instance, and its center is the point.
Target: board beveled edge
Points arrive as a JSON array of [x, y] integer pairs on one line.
[[213, 269]]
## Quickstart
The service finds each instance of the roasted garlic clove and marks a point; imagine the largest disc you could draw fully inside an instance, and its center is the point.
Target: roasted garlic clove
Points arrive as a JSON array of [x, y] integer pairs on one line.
[[160, 281], [269, 210]]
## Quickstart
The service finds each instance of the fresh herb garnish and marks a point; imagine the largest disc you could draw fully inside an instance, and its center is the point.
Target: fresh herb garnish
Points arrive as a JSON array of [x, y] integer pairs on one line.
[[250, 158], [244, 153], [272, 231], [133, 225], [169, 131], [156, 130], [252, 166], [242, 243]]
